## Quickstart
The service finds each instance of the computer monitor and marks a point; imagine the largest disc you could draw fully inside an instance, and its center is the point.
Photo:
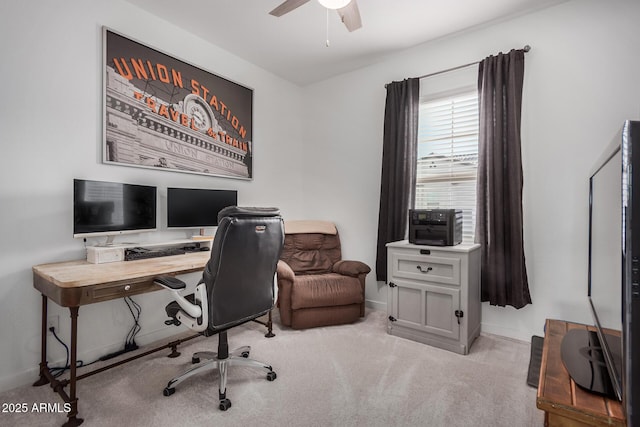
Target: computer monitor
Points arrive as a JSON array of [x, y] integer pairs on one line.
[[607, 361], [112, 208], [197, 208]]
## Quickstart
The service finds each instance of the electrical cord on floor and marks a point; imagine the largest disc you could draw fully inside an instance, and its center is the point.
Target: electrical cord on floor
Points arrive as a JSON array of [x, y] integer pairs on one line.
[[129, 345], [130, 342], [56, 371]]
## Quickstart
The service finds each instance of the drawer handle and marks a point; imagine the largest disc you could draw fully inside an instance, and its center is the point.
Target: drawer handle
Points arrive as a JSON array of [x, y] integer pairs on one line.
[[127, 287], [428, 269]]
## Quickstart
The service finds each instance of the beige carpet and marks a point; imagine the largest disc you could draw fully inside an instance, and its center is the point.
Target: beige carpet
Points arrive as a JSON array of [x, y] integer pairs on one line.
[[351, 375]]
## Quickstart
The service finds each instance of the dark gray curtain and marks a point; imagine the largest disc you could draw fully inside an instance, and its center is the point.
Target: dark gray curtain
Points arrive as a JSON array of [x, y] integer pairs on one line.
[[399, 152], [499, 206]]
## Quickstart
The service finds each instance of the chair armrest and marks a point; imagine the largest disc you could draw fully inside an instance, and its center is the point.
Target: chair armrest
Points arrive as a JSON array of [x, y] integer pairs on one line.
[[284, 271], [169, 282], [351, 268], [175, 285]]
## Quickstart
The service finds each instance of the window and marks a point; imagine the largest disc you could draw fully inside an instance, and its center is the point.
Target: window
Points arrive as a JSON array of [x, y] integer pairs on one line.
[[448, 156]]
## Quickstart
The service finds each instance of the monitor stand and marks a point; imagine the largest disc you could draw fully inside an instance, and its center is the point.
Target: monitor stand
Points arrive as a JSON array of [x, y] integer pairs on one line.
[[584, 359], [201, 236], [107, 243]]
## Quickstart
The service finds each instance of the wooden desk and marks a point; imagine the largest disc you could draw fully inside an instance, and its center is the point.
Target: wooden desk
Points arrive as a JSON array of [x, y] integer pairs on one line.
[[566, 404], [75, 283]]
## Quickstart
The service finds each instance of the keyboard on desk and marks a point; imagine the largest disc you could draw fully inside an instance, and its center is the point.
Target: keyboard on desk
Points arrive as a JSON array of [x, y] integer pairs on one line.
[[144, 253]]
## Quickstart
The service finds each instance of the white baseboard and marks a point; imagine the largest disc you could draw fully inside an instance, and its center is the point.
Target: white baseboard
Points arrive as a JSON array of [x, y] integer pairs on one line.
[[31, 375], [21, 378], [375, 305], [505, 332]]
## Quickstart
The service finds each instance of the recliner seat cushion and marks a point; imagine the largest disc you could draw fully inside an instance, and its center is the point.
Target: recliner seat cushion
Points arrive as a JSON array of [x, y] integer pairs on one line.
[[325, 290]]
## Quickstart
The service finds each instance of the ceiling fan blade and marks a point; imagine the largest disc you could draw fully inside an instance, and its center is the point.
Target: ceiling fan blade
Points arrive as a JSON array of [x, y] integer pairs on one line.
[[287, 7], [350, 15]]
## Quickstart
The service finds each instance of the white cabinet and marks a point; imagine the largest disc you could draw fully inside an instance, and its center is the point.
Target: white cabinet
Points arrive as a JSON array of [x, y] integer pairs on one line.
[[434, 294]]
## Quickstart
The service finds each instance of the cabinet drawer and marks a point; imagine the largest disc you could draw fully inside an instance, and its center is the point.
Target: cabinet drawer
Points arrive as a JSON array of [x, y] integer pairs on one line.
[[426, 268]]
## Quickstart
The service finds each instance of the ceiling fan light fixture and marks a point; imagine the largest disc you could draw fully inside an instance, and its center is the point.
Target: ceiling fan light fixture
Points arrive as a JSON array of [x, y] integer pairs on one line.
[[334, 4]]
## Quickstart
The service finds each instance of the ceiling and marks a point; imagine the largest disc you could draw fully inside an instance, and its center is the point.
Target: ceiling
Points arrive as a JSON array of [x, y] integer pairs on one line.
[[293, 46]]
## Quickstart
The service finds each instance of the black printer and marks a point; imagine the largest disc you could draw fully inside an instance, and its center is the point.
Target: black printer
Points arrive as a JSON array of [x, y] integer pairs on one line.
[[436, 227]]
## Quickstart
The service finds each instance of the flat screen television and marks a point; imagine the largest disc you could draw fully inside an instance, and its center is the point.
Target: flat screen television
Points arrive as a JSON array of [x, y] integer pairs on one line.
[[196, 207], [607, 361], [112, 208]]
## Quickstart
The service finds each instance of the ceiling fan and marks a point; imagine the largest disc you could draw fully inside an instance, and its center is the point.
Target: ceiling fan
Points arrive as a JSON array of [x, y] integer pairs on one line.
[[347, 9]]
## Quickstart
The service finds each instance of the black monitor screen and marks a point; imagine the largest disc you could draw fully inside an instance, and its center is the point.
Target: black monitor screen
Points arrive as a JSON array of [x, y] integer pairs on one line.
[[605, 227], [605, 267], [197, 208], [102, 208]]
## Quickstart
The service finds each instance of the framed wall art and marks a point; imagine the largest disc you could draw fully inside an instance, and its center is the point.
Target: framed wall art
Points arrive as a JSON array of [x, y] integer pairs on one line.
[[161, 112]]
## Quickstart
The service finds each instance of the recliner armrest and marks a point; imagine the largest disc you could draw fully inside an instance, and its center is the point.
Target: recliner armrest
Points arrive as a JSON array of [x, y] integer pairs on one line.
[[350, 268], [284, 271], [169, 282]]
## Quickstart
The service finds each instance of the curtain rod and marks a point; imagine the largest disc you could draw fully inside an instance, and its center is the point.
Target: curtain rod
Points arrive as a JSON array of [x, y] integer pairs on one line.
[[526, 48]]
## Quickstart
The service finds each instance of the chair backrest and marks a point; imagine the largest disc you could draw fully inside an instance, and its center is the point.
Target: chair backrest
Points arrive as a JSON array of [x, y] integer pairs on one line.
[[240, 273], [311, 247]]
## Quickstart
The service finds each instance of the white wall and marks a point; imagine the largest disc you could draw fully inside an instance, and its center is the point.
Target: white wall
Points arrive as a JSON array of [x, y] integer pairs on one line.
[[582, 81], [50, 119]]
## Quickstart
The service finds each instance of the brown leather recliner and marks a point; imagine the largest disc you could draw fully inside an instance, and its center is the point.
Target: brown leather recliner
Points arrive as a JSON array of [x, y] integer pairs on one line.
[[315, 286]]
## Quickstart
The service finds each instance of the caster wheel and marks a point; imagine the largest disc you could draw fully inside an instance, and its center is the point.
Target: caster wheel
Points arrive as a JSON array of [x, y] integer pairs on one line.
[[245, 354], [195, 360], [168, 391], [271, 376], [224, 404]]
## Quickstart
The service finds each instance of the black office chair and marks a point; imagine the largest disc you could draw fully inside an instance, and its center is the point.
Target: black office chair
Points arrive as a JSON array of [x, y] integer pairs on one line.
[[237, 286]]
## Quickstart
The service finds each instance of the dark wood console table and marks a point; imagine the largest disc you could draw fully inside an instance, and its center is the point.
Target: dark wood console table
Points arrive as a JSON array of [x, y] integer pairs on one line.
[[564, 403], [75, 283]]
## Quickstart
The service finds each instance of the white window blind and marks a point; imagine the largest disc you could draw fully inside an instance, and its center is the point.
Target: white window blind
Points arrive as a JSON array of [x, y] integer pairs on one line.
[[448, 156]]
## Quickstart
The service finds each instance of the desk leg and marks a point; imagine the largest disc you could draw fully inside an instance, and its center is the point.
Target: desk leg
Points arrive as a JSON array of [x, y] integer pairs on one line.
[[43, 346], [73, 400], [269, 333]]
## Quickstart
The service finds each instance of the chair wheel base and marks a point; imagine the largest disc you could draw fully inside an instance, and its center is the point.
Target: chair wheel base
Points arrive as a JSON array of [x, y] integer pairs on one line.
[[224, 404], [271, 376], [168, 391]]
